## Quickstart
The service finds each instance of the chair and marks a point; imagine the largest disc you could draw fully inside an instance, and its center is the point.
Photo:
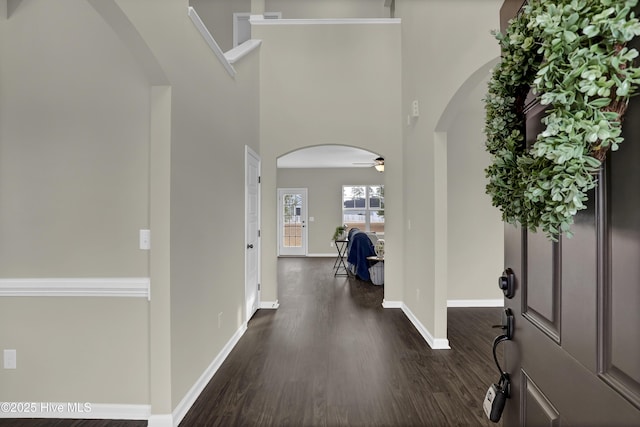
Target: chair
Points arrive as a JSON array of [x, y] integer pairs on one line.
[[359, 248]]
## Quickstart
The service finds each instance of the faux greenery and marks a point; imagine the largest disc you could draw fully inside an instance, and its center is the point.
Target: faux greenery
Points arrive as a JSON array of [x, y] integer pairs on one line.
[[574, 55]]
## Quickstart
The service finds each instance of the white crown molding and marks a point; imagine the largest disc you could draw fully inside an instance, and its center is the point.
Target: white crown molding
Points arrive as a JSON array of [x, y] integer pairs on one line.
[[475, 303], [211, 42], [348, 21], [78, 410], [133, 287], [190, 398]]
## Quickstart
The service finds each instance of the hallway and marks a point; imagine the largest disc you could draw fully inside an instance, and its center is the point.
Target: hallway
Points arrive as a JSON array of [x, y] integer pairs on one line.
[[332, 356]]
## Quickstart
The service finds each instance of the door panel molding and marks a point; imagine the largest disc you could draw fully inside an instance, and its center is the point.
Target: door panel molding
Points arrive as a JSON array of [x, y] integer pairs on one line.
[[541, 305], [537, 409], [618, 355]]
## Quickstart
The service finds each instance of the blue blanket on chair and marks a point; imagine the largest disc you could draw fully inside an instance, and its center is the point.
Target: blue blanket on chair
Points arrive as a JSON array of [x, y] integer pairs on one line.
[[360, 247]]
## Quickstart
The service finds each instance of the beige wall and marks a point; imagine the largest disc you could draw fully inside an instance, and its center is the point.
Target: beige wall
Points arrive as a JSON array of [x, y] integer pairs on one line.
[[213, 117], [324, 199], [76, 349], [74, 105], [444, 42], [331, 84], [475, 229], [78, 115], [74, 144]]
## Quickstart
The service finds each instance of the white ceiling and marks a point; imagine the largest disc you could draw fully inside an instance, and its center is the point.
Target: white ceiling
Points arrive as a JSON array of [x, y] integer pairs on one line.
[[328, 156]]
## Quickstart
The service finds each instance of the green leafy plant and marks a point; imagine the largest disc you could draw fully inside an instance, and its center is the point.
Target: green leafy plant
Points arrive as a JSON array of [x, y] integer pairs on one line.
[[339, 233], [573, 54]]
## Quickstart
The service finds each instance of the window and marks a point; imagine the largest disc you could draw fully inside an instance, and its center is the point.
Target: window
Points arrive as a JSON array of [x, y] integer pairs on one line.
[[363, 207]]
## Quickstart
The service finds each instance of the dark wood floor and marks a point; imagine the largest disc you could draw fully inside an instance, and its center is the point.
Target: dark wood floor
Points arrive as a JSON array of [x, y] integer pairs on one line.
[[332, 356]]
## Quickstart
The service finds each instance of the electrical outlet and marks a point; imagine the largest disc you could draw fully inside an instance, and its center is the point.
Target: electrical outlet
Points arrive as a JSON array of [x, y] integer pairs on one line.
[[10, 359], [417, 294]]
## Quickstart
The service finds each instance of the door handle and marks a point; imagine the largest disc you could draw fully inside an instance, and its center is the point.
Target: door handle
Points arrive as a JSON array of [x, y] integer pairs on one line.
[[249, 246], [508, 325]]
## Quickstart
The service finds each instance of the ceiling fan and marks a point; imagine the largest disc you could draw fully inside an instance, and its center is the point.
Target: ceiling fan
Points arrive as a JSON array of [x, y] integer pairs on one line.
[[377, 163]]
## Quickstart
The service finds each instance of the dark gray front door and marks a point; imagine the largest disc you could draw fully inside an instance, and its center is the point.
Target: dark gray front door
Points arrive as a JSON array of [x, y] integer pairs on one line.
[[575, 356]]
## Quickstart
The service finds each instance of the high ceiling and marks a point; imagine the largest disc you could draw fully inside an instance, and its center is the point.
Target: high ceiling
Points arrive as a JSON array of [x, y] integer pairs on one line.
[[328, 156]]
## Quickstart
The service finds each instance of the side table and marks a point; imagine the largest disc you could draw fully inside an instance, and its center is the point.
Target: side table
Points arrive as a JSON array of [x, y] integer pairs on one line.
[[340, 265]]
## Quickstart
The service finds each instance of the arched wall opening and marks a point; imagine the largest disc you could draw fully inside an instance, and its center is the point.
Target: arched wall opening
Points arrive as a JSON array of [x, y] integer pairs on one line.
[[471, 237], [323, 170]]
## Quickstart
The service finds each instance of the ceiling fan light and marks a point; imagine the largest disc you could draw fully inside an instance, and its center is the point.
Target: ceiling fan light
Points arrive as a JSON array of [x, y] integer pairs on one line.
[[379, 164]]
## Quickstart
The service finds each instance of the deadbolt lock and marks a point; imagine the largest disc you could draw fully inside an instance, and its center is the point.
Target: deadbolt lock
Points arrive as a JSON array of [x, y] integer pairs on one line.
[[507, 282]]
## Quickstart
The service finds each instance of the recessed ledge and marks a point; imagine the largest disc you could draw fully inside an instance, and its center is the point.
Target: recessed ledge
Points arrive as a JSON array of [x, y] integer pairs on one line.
[[211, 42], [239, 52], [257, 20]]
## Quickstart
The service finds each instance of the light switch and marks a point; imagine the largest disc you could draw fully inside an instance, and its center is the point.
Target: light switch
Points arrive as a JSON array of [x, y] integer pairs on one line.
[[311, 219], [145, 240], [415, 109]]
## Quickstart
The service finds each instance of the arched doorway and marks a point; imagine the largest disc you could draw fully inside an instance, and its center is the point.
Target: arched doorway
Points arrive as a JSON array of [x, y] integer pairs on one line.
[[314, 179], [469, 220]]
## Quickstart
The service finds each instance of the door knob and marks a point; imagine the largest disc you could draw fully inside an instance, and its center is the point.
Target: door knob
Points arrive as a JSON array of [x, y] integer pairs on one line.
[[249, 246]]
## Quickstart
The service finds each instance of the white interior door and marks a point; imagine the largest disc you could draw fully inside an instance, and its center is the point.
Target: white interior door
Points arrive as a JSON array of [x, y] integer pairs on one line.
[[252, 232], [292, 221]]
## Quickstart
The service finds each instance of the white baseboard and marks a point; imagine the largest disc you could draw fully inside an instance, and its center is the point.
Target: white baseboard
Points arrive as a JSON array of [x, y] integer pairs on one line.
[[391, 304], [189, 399], [165, 420], [76, 410], [475, 303], [330, 255], [269, 305], [434, 343]]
